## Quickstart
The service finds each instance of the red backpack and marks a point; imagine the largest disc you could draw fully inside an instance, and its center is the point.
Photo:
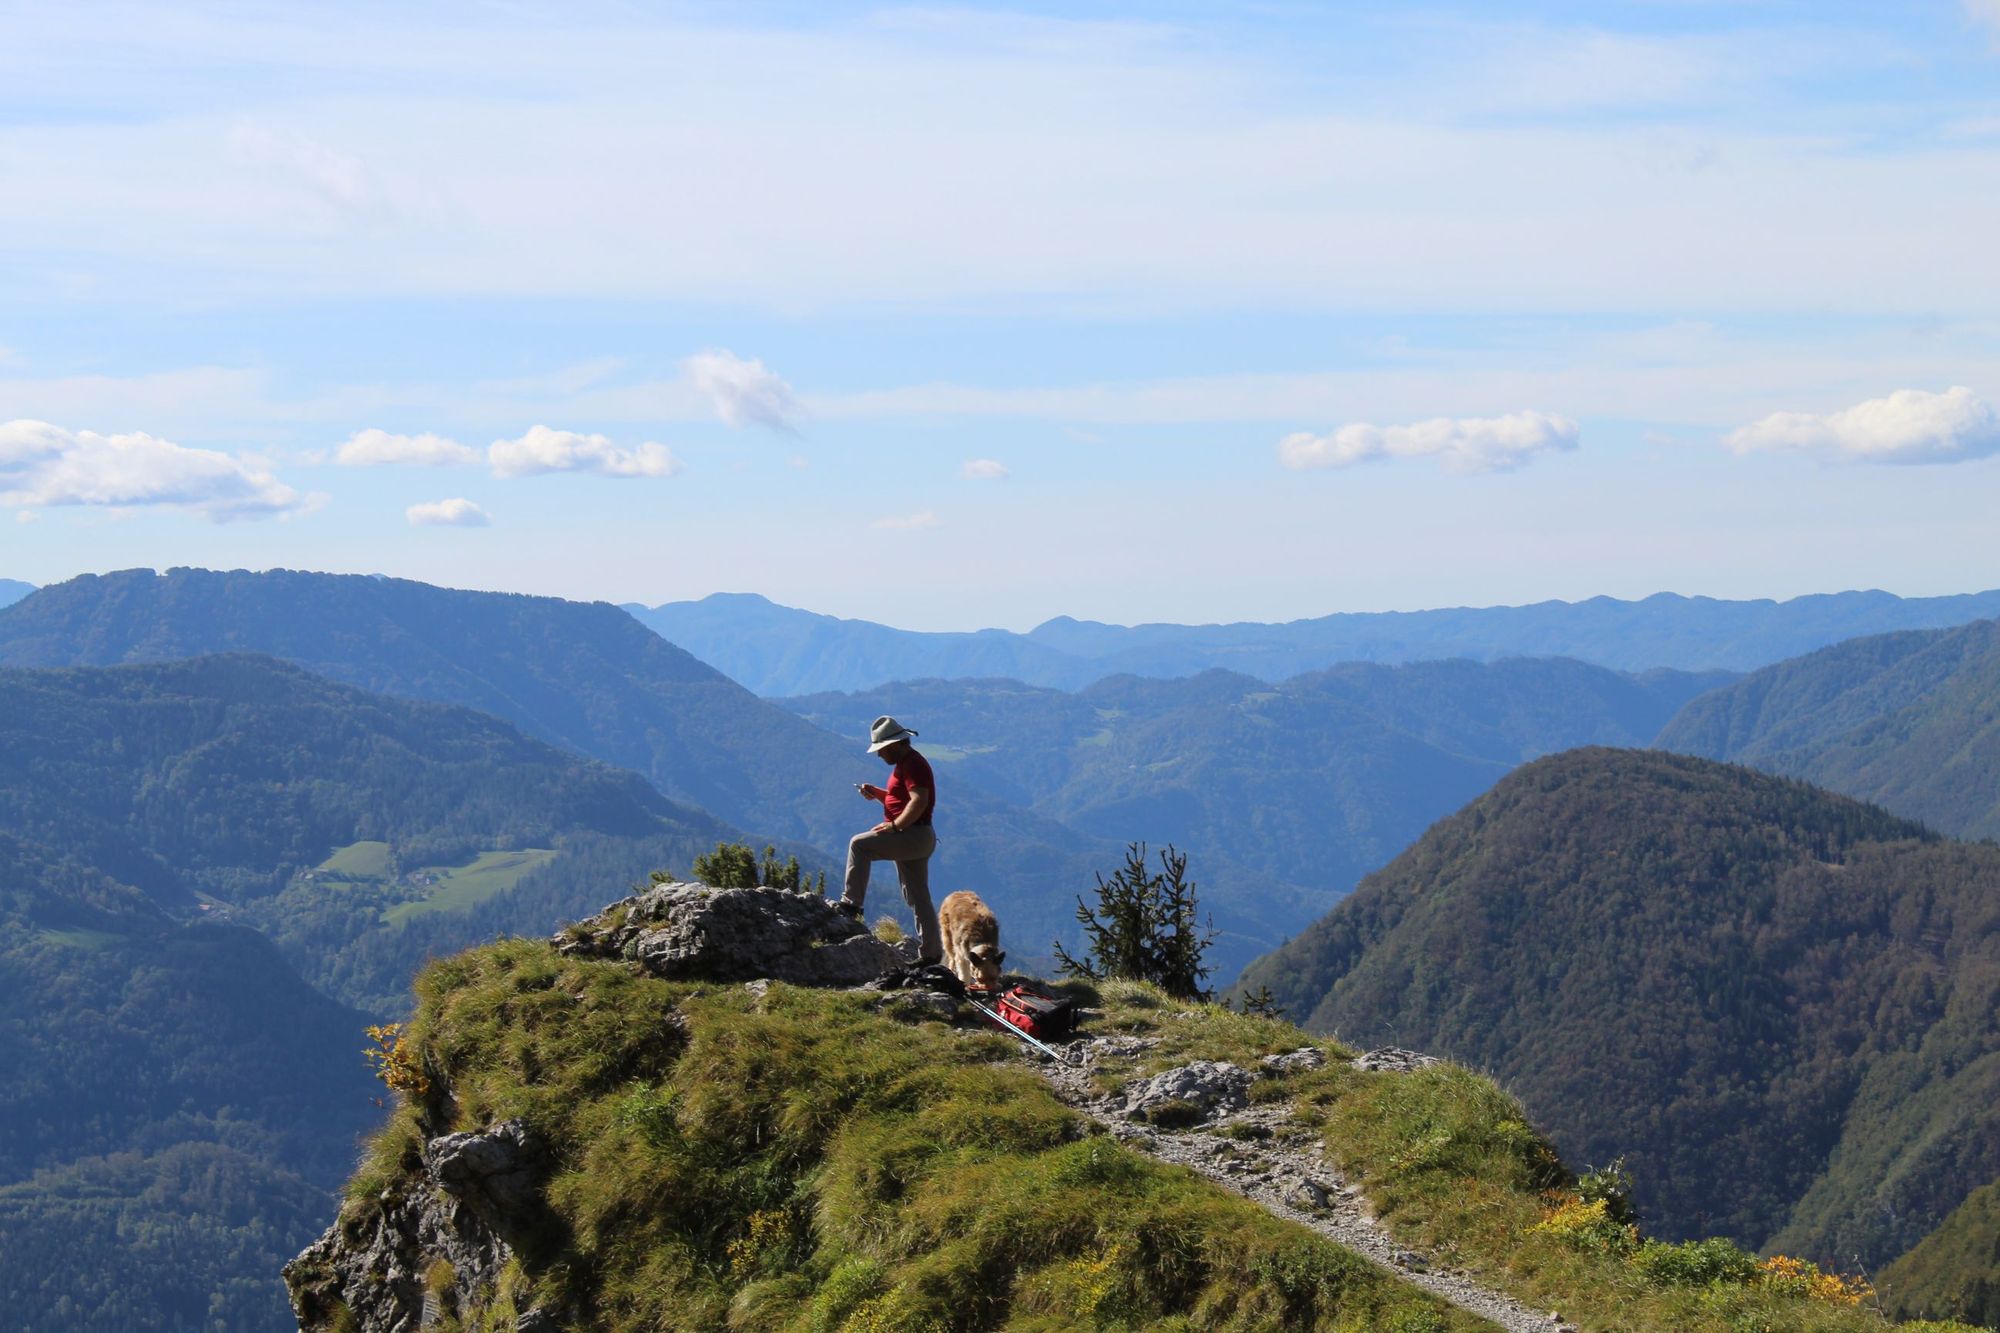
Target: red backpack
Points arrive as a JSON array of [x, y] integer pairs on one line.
[[1042, 1016]]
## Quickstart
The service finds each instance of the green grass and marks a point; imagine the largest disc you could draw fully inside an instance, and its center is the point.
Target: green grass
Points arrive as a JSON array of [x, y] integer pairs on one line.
[[800, 1163], [1451, 1163], [361, 860], [81, 937], [461, 888]]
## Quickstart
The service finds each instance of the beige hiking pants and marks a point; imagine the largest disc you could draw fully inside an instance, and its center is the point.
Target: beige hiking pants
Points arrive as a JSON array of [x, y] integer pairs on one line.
[[911, 850]]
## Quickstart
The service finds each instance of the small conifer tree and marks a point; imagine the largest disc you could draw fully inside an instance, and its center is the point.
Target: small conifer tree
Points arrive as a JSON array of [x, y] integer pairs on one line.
[[732, 865], [1260, 1003], [1144, 927]]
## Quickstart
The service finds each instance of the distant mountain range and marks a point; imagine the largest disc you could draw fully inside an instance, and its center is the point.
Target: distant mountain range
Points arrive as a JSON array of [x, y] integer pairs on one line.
[[13, 590], [1314, 781], [589, 678], [1910, 721], [780, 651], [1775, 1002]]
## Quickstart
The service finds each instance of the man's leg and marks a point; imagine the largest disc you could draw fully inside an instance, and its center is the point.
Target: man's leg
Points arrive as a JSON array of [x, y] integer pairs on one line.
[[862, 851], [915, 876]]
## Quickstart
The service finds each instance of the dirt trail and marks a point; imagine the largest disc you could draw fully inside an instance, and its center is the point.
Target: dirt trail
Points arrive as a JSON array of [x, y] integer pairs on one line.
[[1279, 1166]]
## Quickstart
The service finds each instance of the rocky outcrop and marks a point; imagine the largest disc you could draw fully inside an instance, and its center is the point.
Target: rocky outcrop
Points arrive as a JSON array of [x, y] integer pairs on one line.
[[1395, 1060], [1194, 1091], [428, 1252], [692, 932], [441, 1242]]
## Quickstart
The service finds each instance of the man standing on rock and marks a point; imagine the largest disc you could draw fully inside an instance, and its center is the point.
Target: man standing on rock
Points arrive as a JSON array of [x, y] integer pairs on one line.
[[904, 835]]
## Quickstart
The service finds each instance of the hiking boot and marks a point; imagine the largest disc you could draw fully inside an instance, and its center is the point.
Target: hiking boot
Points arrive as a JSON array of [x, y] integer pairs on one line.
[[852, 911]]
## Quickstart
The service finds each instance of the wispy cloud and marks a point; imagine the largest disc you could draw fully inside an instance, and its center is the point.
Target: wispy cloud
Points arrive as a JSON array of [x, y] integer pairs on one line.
[[1908, 426], [984, 469], [1464, 444], [545, 450], [457, 512], [46, 465], [370, 448], [924, 519], [336, 178], [943, 170], [743, 391]]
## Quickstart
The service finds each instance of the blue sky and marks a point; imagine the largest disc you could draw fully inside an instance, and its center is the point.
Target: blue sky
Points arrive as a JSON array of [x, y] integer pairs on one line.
[[951, 317]]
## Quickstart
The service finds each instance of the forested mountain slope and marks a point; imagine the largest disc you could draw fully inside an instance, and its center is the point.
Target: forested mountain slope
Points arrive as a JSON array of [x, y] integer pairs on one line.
[[1317, 780], [233, 781], [779, 650], [584, 676], [593, 680], [1909, 721], [1955, 1271], [176, 1107], [13, 590], [1775, 1001]]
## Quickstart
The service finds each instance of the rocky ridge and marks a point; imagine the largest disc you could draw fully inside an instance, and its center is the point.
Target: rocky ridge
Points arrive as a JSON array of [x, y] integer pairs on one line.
[[450, 1241]]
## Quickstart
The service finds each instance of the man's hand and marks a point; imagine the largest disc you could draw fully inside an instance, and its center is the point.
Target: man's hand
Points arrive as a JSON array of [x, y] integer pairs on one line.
[[872, 792], [886, 826]]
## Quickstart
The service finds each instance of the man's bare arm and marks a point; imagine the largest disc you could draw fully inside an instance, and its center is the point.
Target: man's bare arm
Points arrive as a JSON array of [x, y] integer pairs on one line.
[[920, 801]]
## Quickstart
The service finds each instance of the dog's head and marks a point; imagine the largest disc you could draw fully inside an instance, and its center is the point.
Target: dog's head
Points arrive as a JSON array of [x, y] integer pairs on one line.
[[986, 960]]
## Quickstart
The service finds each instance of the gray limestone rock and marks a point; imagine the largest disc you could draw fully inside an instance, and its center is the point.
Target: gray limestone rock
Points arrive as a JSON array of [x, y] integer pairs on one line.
[[496, 1172], [690, 932], [479, 1195], [1292, 1062], [1395, 1060], [1207, 1085]]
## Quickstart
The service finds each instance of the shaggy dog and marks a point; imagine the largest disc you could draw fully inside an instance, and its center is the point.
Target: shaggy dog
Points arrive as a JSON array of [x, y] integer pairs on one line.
[[971, 940]]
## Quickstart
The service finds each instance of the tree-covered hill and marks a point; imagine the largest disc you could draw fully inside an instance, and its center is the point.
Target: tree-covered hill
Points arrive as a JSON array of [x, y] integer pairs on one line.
[[176, 1106], [779, 650], [591, 679], [583, 676], [1315, 781], [1955, 1271], [1910, 721], [230, 780], [1776, 1002]]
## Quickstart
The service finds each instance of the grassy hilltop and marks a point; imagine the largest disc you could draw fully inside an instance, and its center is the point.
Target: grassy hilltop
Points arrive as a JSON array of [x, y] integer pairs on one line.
[[810, 1160]]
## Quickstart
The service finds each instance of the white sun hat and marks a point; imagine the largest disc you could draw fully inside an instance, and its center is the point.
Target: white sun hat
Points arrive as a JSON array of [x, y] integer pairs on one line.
[[886, 732]]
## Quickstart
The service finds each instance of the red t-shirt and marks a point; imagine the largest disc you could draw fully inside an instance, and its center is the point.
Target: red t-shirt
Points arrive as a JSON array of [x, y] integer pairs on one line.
[[912, 771]]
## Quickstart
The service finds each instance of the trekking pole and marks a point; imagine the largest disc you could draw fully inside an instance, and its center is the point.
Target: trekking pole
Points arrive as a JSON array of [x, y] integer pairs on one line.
[[1013, 1031]]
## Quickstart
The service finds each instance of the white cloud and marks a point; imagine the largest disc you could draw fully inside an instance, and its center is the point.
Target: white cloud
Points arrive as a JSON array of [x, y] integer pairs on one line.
[[366, 448], [877, 165], [984, 469], [1984, 11], [25, 516], [457, 512], [41, 464], [546, 450], [339, 179], [1466, 444], [743, 391], [1909, 426], [925, 519]]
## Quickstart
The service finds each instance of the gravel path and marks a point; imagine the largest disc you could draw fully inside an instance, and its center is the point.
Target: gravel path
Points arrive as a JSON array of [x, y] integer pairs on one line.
[[1279, 1166]]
